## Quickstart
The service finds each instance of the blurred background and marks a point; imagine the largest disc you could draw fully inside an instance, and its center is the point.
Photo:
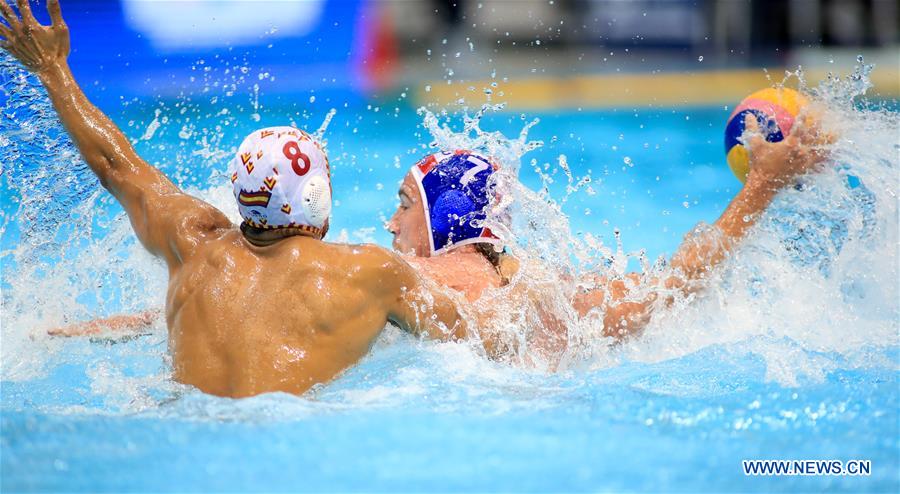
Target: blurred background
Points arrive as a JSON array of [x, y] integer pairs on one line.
[[536, 53], [629, 92], [792, 355]]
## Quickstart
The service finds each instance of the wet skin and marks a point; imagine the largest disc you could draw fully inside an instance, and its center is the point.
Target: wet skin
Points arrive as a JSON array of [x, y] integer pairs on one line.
[[243, 319], [623, 303]]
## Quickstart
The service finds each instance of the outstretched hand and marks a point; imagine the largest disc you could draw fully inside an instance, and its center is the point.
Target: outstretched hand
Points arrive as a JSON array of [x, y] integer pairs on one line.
[[38, 47], [777, 164]]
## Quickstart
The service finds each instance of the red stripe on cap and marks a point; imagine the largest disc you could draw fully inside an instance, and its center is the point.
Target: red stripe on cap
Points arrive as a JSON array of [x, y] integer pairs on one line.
[[427, 164], [487, 233]]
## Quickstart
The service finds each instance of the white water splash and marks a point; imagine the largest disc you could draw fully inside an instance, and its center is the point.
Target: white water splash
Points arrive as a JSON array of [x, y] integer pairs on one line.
[[804, 302], [812, 288]]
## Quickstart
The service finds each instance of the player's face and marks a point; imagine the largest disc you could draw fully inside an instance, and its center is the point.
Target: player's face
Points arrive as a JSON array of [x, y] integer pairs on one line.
[[408, 222]]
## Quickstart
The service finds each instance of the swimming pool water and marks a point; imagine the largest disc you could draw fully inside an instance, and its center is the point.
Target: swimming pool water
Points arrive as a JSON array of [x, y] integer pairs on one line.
[[408, 419], [101, 415]]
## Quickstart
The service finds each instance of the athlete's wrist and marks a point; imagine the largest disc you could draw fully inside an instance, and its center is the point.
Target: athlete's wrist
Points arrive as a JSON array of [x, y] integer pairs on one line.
[[53, 73], [746, 207], [761, 187]]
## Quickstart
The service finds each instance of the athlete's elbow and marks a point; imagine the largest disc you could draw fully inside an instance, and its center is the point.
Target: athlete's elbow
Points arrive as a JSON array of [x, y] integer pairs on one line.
[[104, 182], [94, 157]]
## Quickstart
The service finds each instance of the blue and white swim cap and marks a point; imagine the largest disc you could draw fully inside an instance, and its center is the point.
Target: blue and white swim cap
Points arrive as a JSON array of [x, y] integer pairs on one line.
[[455, 192]]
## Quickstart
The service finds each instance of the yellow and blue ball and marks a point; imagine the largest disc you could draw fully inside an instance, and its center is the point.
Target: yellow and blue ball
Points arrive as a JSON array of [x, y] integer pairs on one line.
[[775, 109]]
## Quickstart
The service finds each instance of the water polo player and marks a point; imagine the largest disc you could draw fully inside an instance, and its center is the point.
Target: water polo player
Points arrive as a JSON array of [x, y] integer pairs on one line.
[[438, 224], [441, 225], [444, 202], [458, 255], [442, 207], [267, 307]]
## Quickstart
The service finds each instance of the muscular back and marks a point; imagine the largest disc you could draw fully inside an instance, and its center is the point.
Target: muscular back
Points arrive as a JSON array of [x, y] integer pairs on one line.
[[245, 320], [242, 319]]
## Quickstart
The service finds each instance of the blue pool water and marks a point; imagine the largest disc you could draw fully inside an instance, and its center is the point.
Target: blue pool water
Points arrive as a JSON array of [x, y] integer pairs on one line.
[[755, 370]]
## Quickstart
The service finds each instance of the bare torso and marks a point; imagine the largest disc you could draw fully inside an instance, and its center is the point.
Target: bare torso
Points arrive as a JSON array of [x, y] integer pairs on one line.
[[244, 319], [470, 273], [463, 270]]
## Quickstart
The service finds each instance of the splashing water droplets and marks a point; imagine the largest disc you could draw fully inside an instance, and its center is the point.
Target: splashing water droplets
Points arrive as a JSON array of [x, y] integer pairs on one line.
[[830, 249], [813, 246]]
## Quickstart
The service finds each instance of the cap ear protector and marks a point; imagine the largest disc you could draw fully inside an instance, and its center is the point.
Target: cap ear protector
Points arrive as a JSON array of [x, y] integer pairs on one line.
[[316, 200], [456, 194], [281, 179]]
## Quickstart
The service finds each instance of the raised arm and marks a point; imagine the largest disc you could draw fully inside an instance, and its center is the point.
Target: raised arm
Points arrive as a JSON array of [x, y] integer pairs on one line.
[[773, 166], [628, 304], [168, 222]]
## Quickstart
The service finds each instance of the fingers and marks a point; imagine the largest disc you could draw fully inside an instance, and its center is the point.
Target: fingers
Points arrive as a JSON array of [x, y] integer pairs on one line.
[[55, 13], [803, 130], [5, 32], [8, 14], [815, 134], [751, 127], [25, 11], [11, 48], [809, 132], [750, 123]]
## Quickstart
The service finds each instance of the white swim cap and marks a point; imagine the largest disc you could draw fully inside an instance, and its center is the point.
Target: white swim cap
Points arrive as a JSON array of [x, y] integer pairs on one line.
[[281, 179]]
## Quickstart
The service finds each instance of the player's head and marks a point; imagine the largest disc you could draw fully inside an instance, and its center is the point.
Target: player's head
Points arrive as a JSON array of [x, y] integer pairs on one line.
[[282, 185], [443, 203]]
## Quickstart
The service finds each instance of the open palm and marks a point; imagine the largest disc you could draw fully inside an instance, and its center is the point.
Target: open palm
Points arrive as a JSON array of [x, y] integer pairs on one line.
[[36, 46]]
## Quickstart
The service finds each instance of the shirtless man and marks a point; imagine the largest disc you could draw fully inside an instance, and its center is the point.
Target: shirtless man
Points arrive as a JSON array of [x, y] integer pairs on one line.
[[267, 307], [437, 225], [459, 255], [623, 304]]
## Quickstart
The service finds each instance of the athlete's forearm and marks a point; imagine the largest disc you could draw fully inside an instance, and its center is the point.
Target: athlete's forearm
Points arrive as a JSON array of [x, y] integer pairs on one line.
[[773, 167], [445, 322], [103, 146], [121, 323], [701, 252], [628, 303], [746, 207]]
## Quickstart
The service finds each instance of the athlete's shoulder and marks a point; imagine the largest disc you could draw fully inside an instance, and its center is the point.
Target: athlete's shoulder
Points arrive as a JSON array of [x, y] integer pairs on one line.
[[375, 264], [377, 257], [359, 253]]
